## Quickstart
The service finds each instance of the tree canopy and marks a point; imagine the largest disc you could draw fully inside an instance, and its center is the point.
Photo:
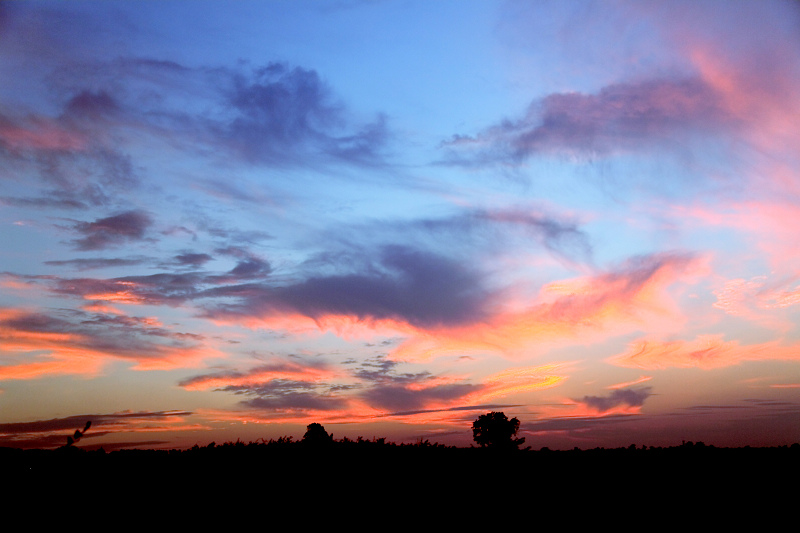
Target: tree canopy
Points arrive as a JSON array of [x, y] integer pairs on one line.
[[495, 430], [316, 435]]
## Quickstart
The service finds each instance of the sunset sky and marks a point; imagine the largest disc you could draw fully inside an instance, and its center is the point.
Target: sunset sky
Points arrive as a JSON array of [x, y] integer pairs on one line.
[[228, 220]]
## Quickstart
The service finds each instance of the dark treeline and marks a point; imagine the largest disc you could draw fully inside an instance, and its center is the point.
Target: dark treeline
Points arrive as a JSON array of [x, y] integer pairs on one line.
[[342, 474], [347, 480], [286, 454], [374, 469]]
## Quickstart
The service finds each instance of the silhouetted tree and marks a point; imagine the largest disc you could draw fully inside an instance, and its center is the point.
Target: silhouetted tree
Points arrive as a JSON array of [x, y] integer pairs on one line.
[[495, 430], [316, 435]]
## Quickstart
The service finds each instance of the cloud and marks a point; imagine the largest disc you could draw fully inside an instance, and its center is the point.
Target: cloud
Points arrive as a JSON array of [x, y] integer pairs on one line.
[[705, 351], [618, 397], [57, 200], [86, 149], [76, 421], [92, 263], [72, 157], [376, 388], [620, 118], [417, 287], [630, 297], [154, 289], [280, 388], [250, 268], [576, 424], [713, 78], [281, 112], [498, 229], [402, 398], [758, 299], [285, 397], [392, 391], [164, 288], [92, 106], [53, 433], [192, 259], [113, 231], [35, 344], [439, 305], [258, 376]]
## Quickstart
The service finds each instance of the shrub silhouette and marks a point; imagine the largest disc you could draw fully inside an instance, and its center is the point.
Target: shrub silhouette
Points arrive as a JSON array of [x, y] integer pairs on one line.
[[495, 430]]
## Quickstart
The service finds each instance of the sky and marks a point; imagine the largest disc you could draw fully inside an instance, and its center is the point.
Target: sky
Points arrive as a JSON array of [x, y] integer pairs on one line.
[[229, 220]]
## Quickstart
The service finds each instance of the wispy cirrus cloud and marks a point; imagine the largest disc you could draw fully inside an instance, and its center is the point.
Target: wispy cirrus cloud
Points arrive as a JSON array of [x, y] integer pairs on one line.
[[706, 351], [758, 299], [96, 263], [259, 375], [480, 231]]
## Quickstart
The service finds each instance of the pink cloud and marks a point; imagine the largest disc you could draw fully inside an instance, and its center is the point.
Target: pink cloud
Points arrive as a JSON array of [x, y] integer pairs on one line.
[[40, 134], [706, 352], [588, 309], [760, 300], [259, 375]]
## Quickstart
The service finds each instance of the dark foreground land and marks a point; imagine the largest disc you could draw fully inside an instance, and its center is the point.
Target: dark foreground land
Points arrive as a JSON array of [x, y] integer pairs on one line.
[[374, 467], [379, 486]]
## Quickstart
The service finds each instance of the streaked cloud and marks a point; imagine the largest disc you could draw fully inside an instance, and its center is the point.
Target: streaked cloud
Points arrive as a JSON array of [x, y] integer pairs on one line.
[[620, 118], [706, 352]]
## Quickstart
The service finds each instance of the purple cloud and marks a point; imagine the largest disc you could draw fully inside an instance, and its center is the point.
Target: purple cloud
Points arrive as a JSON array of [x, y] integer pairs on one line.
[[283, 113], [629, 397], [419, 287], [622, 117], [401, 398], [98, 262], [192, 259], [112, 231], [402, 391]]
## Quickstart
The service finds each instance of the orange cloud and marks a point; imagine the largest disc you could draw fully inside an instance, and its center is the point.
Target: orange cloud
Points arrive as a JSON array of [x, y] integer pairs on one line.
[[706, 352], [123, 295], [517, 381], [58, 346], [627, 384], [59, 364], [584, 308]]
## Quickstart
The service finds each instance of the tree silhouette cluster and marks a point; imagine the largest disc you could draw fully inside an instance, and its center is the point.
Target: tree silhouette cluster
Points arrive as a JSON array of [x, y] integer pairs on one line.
[[494, 430], [276, 468]]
